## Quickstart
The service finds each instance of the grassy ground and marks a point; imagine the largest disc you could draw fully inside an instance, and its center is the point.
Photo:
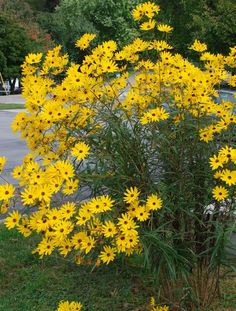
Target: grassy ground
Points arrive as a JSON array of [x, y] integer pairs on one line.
[[11, 106], [28, 283]]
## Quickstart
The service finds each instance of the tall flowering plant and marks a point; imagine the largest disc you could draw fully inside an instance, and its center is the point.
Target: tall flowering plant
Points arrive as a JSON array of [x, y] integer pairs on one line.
[[143, 145]]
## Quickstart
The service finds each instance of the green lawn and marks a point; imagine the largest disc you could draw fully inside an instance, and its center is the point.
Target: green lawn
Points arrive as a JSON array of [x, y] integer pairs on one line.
[[11, 106], [28, 283]]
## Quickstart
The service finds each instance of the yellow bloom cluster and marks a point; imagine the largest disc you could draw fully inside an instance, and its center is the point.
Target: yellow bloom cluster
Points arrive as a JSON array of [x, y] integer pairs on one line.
[[64, 111], [198, 46], [154, 307], [77, 306], [225, 164], [148, 10], [92, 229], [84, 41], [69, 306]]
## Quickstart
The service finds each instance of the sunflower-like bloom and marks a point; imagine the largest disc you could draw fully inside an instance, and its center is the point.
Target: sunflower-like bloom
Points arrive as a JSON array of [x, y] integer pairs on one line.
[[164, 28], [198, 46], [84, 41], [220, 193], [108, 254], [148, 25]]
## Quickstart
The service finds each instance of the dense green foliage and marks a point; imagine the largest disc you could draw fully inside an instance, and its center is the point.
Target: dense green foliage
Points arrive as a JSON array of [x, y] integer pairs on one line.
[[14, 46], [19, 34], [211, 22], [108, 19]]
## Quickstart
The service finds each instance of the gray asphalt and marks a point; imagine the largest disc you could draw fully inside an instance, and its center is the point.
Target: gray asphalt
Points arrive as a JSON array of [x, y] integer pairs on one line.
[[11, 146], [13, 99]]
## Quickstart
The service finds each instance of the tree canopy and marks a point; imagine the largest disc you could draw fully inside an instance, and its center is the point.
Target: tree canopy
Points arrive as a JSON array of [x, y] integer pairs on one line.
[[15, 44], [213, 22], [108, 19]]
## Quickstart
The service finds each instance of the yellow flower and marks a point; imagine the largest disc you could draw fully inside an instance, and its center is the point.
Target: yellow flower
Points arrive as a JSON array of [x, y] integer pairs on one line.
[[65, 169], [206, 135], [154, 115], [12, 220], [33, 58], [164, 28], [106, 202], [108, 254], [160, 45], [45, 247], [29, 195], [141, 213], [198, 46], [131, 194], [127, 224], [4, 207], [84, 216], [220, 193], [87, 244], [65, 247], [24, 228], [229, 177], [109, 229], [77, 239], [153, 202], [80, 151], [216, 162], [44, 193], [17, 172], [148, 25], [67, 210], [62, 229], [69, 306], [71, 186], [6, 192], [84, 41], [148, 9], [108, 65]]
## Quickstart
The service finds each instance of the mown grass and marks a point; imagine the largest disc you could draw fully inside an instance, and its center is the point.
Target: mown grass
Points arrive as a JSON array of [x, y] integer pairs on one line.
[[28, 283], [11, 106]]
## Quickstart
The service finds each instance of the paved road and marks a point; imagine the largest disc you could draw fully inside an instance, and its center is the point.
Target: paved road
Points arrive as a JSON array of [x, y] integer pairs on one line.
[[11, 146], [13, 99]]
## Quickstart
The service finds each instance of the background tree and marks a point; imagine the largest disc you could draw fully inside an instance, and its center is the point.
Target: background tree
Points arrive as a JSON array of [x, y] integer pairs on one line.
[[213, 22], [25, 13], [15, 44], [216, 25], [108, 19], [66, 24]]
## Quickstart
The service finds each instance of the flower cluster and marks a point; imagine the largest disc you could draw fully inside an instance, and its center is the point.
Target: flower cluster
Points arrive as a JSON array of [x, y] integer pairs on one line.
[[96, 230], [154, 307], [7, 191], [77, 306], [64, 106], [224, 164], [69, 306], [148, 11], [84, 41]]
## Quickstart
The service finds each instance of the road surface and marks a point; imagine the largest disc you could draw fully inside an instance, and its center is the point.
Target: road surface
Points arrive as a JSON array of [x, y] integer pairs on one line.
[[11, 146]]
